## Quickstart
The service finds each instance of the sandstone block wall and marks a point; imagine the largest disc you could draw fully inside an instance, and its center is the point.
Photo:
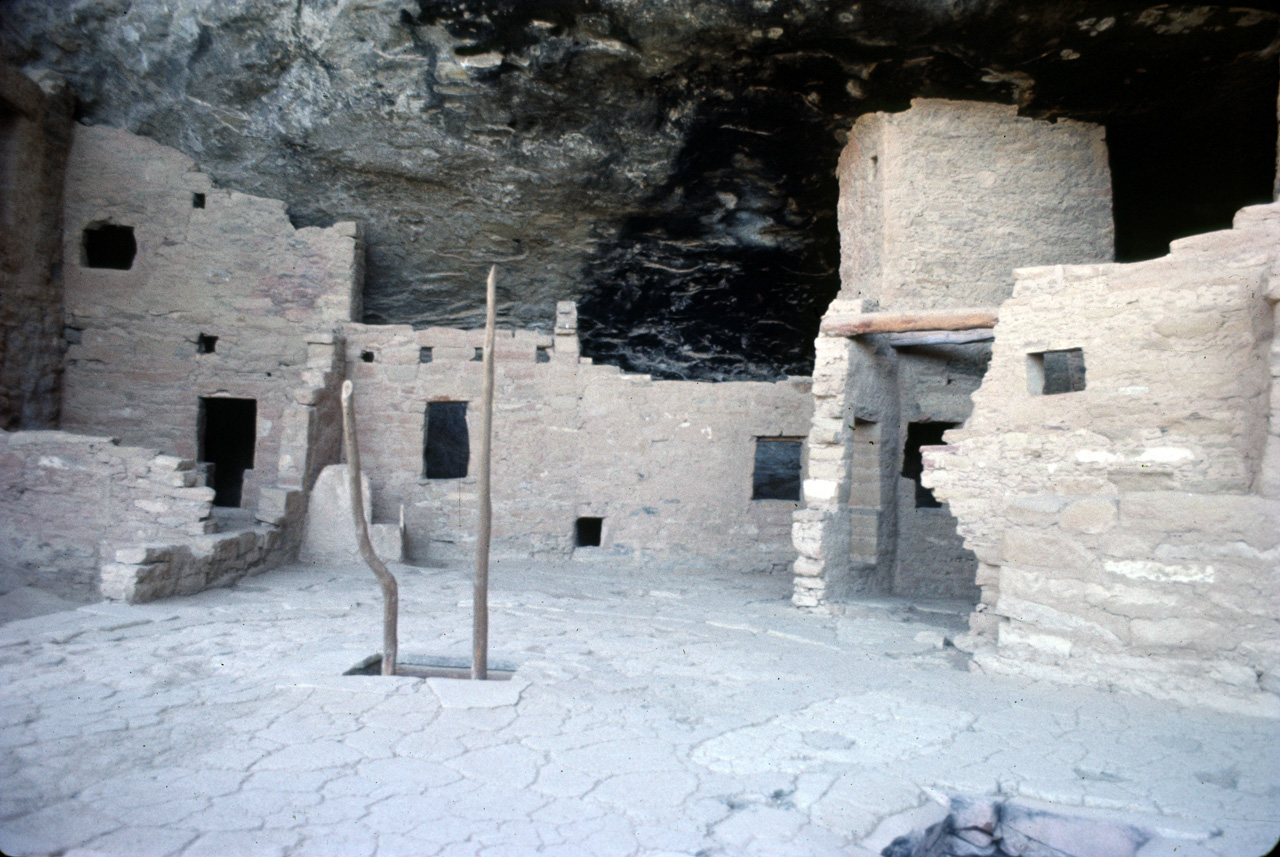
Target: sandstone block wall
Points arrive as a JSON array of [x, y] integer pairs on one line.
[[939, 203], [68, 502], [220, 301], [667, 465], [1128, 532], [35, 134]]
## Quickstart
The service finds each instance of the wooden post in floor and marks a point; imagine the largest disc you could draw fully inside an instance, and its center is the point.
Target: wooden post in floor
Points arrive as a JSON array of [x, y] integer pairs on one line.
[[480, 599], [390, 592]]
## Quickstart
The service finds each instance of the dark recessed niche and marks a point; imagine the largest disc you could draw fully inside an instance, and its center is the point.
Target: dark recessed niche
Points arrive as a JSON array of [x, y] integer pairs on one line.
[[424, 354], [478, 356], [543, 354], [197, 200], [587, 532], [367, 356], [107, 245], [446, 449], [777, 469], [1050, 373], [73, 335], [206, 344], [918, 435]]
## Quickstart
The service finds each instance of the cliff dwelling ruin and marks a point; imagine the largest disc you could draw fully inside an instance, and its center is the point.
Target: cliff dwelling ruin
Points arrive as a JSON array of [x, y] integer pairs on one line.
[[953, 307]]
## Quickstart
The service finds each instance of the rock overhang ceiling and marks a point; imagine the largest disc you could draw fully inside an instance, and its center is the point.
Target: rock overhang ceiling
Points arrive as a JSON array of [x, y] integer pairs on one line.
[[670, 165]]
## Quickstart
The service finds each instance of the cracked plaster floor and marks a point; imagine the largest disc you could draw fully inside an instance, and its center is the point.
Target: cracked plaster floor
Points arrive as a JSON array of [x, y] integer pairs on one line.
[[654, 712]]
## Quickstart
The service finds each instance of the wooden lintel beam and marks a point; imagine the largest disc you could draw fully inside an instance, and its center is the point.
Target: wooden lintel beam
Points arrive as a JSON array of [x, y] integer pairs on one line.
[[900, 322], [939, 337]]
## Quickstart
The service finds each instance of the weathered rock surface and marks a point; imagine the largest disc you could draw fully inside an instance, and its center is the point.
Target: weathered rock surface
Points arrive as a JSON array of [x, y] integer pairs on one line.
[[668, 164]]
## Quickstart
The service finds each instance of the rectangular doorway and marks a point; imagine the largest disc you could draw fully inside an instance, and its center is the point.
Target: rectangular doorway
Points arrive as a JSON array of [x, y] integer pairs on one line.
[[228, 433]]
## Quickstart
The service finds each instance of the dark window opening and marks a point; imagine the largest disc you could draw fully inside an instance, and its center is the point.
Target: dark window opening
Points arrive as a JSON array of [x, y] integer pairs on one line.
[[1178, 175], [73, 335], [206, 344], [1050, 373], [367, 356], [447, 449], [918, 435], [478, 356], [424, 355], [228, 433], [109, 246], [587, 531], [197, 200], [8, 158], [777, 471], [543, 354]]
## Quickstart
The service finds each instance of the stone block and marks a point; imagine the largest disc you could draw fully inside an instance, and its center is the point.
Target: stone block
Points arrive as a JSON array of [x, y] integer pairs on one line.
[[329, 532], [1090, 515]]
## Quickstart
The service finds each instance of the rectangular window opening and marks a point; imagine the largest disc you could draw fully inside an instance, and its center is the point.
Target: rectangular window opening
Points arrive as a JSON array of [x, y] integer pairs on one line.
[[206, 344], [197, 200], [367, 356], [479, 355], [1050, 373], [446, 450], [543, 354], [777, 468], [587, 532], [918, 435], [424, 354], [227, 435], [109, 245]]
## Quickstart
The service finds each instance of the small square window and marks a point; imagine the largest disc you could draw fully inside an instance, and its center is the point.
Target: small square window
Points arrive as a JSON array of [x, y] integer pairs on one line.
[[206, 344], [1050, 373], [424, 354], [587, 532], [478, 356], [107, 245], [367, 356], [197, 200], [543, 354], [777, 468]]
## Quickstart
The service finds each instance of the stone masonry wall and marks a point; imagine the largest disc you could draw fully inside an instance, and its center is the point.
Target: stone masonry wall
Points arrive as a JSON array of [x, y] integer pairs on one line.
[[939, 203], [667, 465], [67, 502], [1129, 532], [209, 263], [35, 133]]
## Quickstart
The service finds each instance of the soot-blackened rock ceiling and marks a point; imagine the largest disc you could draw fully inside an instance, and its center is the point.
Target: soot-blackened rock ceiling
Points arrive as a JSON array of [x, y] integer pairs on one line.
[[667, 163]]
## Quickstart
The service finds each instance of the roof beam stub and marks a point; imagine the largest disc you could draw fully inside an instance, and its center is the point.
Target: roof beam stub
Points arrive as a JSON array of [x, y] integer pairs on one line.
[[859, 324]]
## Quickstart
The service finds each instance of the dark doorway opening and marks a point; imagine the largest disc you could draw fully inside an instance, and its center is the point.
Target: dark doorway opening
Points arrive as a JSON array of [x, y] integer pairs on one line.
[[447, 448], [109, 246], [777, 472], [228, 434], [918, 435], [587, 532]]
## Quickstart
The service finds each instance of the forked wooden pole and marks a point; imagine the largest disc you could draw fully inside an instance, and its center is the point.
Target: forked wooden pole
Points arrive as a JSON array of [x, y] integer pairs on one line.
[[390, 592], [480, 601]]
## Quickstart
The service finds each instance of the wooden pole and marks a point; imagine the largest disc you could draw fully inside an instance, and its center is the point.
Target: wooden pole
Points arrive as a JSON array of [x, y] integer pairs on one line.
[[390, 592], [480, 608], [900, 322]]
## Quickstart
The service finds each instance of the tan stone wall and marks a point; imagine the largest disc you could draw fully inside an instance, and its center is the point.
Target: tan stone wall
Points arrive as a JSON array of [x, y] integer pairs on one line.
[[667, 464], [68, 501], [35, 132], [1128, 532], [939, 203], [232, 268]]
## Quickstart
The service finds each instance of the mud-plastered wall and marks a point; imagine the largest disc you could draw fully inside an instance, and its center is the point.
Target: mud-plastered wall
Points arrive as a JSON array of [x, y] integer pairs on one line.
[[35, 133], [1112, 479], [939, 203], [661, 470], [177, 291]]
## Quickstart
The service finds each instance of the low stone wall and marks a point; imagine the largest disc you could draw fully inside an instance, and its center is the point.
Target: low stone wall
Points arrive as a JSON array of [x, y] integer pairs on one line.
[[1128, 532], [666, 465], [68, 501], [148, 572]]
